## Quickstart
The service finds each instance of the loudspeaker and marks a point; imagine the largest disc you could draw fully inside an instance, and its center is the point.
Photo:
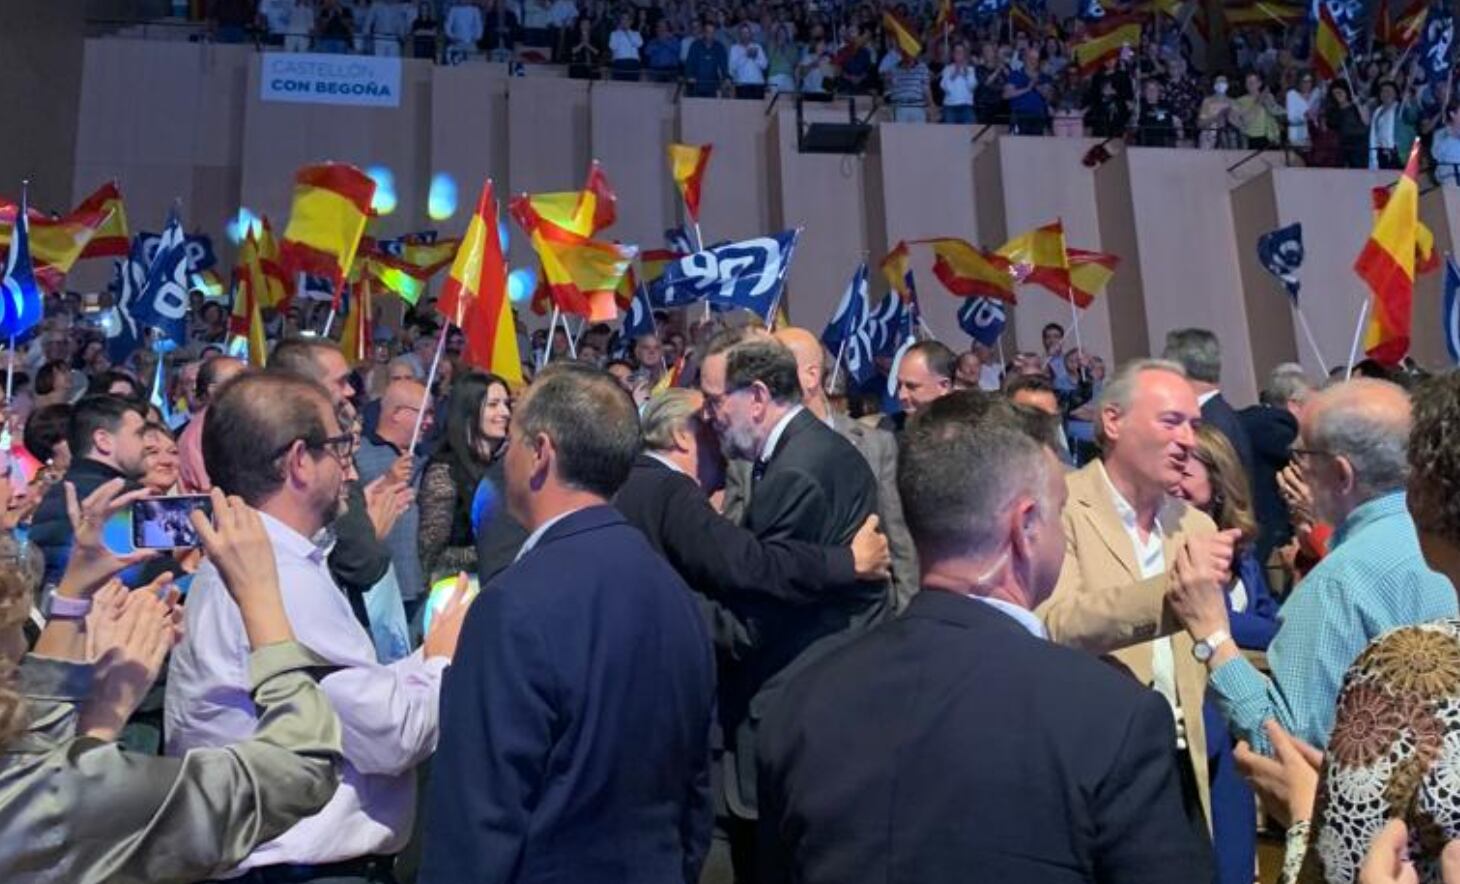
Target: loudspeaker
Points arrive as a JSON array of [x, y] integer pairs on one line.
[[840, 138]]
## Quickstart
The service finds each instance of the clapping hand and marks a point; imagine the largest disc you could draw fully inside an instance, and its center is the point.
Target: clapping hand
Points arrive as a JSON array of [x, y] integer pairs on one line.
[[129, 637], [385, 501], [92, 564]]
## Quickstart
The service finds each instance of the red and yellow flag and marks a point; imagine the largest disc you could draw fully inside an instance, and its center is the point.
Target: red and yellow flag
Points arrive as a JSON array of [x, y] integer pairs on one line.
[[1038, 257], [1105, 41], [582, 274], [1329, 47], [355, 337], [1263, 13], [584, 212], [968, 271], [687, 163], [1387, 266], [250, 284], [946, 21], [326, 221], [897, 267], [111, 239], [56, 244], [1089, 273], [475, 296], [278, 288], [902, 34], [1400, 24]]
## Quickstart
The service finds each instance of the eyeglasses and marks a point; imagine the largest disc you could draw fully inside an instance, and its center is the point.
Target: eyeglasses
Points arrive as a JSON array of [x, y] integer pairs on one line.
[[341, 447]]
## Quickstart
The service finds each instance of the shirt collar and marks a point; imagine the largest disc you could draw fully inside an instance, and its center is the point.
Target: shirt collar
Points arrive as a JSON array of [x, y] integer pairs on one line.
[[667, 462], [1206, 397], [1023, 616], [286, 539], [769, 450], [1369, 512], [1127, 512], [539, 531]]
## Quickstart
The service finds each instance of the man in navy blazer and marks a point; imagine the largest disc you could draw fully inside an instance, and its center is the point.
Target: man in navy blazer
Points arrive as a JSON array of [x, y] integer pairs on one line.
[[956, 743], [575, 719]]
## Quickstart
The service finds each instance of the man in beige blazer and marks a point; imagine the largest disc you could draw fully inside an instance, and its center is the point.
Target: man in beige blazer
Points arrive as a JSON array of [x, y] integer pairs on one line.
[[1123, 532]]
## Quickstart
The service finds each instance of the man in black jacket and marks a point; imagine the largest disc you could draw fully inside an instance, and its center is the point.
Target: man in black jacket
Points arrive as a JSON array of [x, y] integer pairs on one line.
[[105, 438], [1199, 352], [956, 743], [808, 484], [665, 497], [1272, 425]]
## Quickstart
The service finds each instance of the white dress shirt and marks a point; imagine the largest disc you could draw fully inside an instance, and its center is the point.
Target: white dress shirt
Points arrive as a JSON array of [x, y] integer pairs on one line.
[[746, 70], [537, 533], [624, 45], [464, 25], [958, 86], [1151, 556], [1023, 616], [388, 713]]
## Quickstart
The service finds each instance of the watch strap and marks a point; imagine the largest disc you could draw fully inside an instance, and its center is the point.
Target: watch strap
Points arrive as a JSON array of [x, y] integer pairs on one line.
[[67, 608]]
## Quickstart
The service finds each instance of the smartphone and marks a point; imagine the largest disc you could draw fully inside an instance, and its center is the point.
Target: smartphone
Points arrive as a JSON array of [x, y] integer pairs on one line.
[[163, 523]]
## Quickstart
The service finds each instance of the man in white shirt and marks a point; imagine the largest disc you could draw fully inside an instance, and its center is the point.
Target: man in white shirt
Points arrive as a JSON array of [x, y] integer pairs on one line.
[[748, 65], [463, 30], [275, 14], [624, 45], [274, 441], [388, 22], [959, 82]]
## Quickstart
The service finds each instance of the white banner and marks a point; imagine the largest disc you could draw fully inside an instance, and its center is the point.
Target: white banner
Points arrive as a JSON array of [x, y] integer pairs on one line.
[[315, 78]]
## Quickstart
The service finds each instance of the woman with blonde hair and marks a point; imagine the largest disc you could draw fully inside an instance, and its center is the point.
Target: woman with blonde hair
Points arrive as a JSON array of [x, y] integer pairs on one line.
[[1216, 484]]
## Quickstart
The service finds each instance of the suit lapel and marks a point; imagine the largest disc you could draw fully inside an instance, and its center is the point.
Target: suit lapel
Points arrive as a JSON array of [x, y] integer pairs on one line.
[[1092, 496]]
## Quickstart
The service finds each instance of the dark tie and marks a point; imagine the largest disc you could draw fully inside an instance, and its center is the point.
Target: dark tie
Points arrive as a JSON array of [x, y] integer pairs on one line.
[[757, 471]]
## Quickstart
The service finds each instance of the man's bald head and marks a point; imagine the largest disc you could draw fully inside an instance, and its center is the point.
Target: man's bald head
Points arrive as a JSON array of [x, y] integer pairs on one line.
[[810, 359], [398, 410], [1365, 422]]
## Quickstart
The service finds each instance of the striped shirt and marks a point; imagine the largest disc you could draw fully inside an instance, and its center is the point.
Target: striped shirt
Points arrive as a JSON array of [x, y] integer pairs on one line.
[[1372, 580], [908, 86]]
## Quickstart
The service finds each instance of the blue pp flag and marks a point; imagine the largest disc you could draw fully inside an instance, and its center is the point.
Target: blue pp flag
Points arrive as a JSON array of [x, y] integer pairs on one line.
[[1435, 52], [850, 314], [983, 319], [1281, 254], [199, 248], [1092, 10], [639, 321], [162, 302], [890, 324], [20, 294], [749, 274], [989, 8], [1351, 17], [677, 238], [1452, 309], [124, 335]]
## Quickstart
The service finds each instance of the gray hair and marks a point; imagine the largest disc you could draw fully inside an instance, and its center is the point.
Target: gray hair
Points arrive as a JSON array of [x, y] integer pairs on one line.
[[1121, 387], [1374, 444], [1198, 351], [1287, 383], [664, 415], [958, 477], [408, 362]]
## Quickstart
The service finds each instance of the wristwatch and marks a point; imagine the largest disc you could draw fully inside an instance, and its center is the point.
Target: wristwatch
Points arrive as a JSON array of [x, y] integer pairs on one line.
[[1205, 648], [60, 607]]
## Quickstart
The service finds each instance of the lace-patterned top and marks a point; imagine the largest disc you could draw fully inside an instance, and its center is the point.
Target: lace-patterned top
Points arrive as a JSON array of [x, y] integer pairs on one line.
[[446, 546], [1394, 752]]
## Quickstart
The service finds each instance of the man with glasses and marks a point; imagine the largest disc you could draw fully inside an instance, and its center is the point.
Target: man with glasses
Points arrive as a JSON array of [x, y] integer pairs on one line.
[[1351, 448], [276, 442], [808, 483]]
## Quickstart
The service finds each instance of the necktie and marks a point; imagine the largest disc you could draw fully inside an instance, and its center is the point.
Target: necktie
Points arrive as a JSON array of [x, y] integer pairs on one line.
[[757, 471]]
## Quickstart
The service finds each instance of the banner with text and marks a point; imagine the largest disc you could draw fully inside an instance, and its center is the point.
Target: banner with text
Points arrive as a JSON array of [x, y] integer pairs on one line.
[[312, 78]]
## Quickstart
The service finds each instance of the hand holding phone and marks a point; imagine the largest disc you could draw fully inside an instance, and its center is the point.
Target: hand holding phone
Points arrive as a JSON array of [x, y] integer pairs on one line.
[[164, 522]]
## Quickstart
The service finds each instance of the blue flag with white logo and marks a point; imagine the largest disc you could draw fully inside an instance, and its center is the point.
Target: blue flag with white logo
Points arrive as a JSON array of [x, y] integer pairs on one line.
[[20, 295], [677, 238], [1092, 10], [1452, 309], [889, 324], [639, 320], [989, 8], [983, 319], [1436, 53], [749, 274], [162, 302], [1281, 254], [199, 250], [851, 313], [123, 334]]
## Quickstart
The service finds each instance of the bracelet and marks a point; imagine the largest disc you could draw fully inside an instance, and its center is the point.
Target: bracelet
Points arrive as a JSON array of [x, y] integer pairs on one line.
[[59, 607]]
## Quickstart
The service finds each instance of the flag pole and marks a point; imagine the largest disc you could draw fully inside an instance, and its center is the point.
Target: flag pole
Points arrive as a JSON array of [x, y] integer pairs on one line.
[[567, 333], [547, 346], [9, 371], [836, 366], [1312, 341], [426, 395], [1353, 351], [1075, 322]]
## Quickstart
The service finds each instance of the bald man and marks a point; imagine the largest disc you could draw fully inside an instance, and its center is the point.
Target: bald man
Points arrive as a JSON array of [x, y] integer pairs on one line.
[[1351, 449], [383, 452], [878, 447]]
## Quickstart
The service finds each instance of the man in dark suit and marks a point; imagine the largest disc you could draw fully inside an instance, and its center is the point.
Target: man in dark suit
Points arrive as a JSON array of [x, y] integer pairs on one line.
[[1199, 352], [665, 497], [1272, 425], [575, 719], [808, 484], [956, 743]]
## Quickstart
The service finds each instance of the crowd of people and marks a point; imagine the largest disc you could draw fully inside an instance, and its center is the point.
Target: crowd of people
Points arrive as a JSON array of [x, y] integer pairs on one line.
[[1021, 620], [986, 69]]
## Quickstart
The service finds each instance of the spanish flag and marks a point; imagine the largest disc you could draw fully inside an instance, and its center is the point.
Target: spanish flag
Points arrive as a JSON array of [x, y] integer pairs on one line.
[[687, 163], [582, 274], [1387, 265], [968, 271], [1398, 24], [1038, 258], [1105, 41], [1089, 273], [1263, 13], [902, 34], [584, 212], [1330, 49], [249, 285], [278, 289], [945, 22], [326, 221], [670, 378], [56, 244], [475, 296], [355, 337], [897, 267], [111, 239]]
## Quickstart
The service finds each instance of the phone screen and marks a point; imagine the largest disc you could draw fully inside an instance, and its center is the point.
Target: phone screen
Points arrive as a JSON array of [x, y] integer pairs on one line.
[[162, 522]]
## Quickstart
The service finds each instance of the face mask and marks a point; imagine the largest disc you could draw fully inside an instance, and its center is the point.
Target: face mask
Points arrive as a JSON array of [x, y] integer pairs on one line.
[[1220, 88]]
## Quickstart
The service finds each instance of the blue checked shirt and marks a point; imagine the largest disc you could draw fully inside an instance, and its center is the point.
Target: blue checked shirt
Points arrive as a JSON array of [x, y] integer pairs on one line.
[[1372, 580]]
